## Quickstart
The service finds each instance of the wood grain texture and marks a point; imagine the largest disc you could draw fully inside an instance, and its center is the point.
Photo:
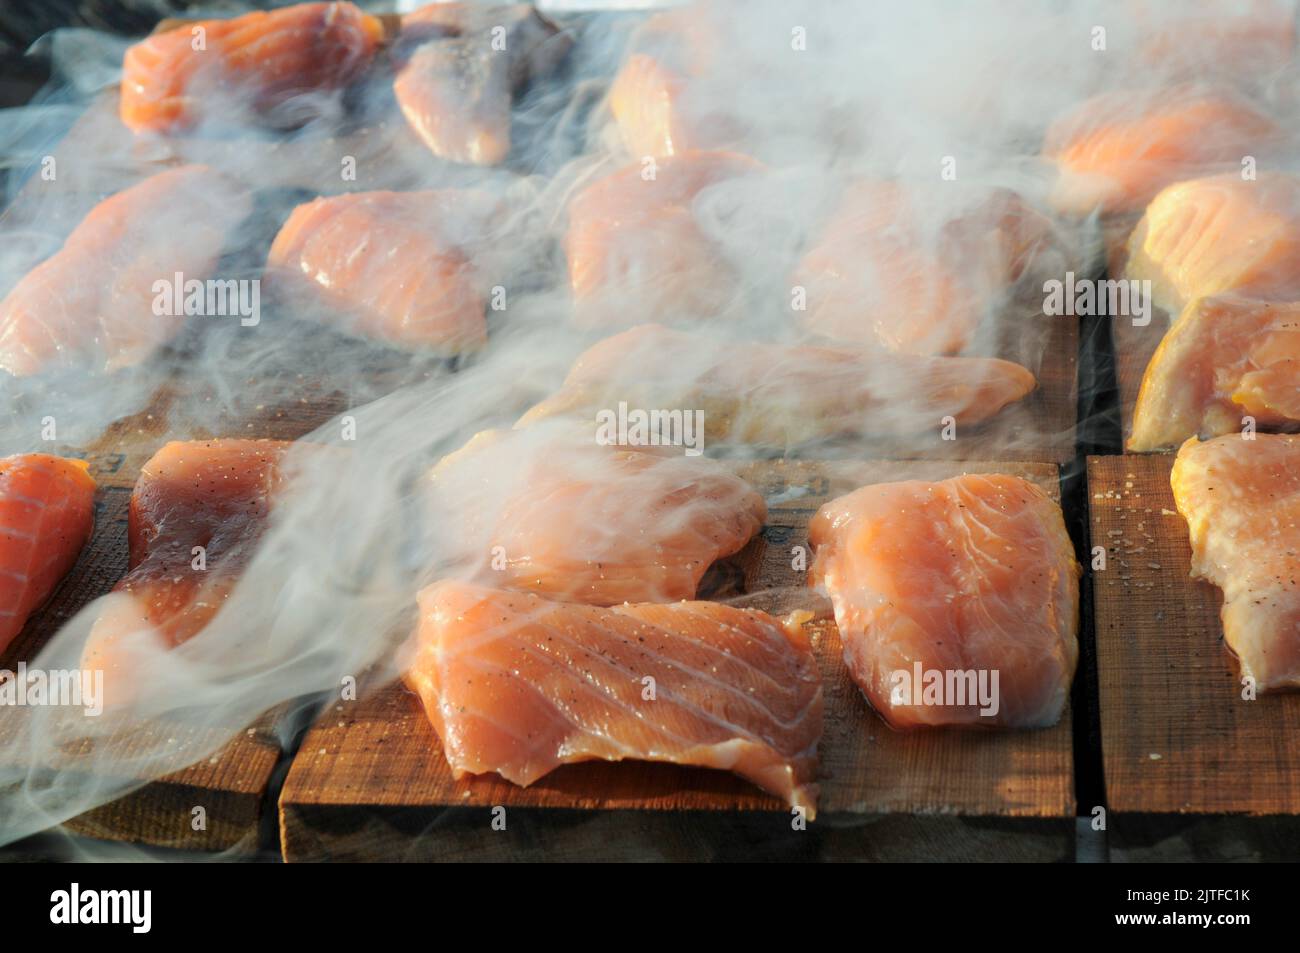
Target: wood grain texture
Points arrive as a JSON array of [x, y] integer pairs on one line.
[[1179, 741], [370, 782]]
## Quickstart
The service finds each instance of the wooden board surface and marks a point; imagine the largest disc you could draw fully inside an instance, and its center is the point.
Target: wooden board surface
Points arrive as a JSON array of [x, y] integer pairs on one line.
[[370, 782], [1179, 742]]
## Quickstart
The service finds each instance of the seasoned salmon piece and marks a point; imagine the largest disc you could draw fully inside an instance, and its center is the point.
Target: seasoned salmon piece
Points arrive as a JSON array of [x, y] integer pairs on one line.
[[517, 685], [197, 513], [396, 267], [1241, 500], [455, 89], [1224, 358], [1115, 151], [972, 578], [552, 511], [782, 396], [47, 510], [1223, 233], [94, 304], [883, 273], [636, 247], [255, 63]]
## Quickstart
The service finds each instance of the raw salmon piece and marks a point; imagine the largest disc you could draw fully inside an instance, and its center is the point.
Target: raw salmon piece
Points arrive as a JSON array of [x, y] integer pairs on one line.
[[518, 685], [47, 510], [393, 266], [455, 91], [973, 574], [645, 101], [1241, 500], [257, 61], [636, 248], [94, 301], [783, 396], [649, 95], [553, 512], [1223, 358], [1217, 234], [213, 494], [1117, 150], [883, 273]]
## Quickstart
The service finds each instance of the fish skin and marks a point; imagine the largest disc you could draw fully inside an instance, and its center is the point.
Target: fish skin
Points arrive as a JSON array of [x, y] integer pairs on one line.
[[216, 494], [1222, 359], [1116, 151], [499, 673], [1208, 236], [268, 57], [396, 267], [782, 396], [92, 302], [47, 512], [455, 89], [635, 247], [1241, 500], [976, 572], [878, 275], [580, 522]]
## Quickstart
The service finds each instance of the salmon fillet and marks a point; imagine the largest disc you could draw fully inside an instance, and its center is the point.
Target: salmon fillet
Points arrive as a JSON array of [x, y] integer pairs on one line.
[[213, 494], [1222, 233], [94, 301], [256, 62], [1241, 500], [553, 512], [646, 97], [974, 574], [1115, 151], [881, 273], [518, 685], [636, 248], [1224, 358], [47, 511], [396, 267], [782, 396], [455, 89]]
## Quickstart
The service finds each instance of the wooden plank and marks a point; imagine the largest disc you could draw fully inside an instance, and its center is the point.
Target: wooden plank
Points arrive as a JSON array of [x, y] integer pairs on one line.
[[1193, 771], [369, 781], [230, 784]]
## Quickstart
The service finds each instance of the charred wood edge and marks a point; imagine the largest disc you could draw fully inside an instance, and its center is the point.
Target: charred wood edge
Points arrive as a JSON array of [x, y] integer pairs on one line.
[[1182, 838], [317, 832], [1097, 432]]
